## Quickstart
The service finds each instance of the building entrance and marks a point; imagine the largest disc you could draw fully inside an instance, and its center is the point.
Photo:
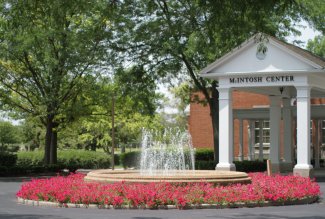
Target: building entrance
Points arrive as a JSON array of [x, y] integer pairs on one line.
[[290, 77]]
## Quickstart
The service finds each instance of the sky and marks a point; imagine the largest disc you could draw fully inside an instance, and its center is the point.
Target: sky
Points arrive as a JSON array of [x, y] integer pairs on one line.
[[307, 33]]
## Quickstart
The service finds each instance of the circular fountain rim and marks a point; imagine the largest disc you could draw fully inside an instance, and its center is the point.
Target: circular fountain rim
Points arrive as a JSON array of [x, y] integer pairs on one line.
[[184, 176]]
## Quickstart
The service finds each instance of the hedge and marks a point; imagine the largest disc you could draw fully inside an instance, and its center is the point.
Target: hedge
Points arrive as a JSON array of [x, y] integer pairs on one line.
[[24, 163], [130, 159], [242, 166], [7, 159], [205, 154], [75, 158], [31, 170]]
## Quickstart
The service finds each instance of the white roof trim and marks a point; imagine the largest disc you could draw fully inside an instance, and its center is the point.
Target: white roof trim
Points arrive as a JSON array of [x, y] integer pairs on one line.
[[222, 74], [206, 71], [226, 57], [296, 55]]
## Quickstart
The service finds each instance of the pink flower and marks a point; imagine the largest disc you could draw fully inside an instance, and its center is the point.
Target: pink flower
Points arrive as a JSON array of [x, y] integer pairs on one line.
[[73, 189]]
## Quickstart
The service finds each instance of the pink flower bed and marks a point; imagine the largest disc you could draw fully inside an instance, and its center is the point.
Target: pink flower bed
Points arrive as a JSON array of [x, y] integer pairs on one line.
[[73, 189]]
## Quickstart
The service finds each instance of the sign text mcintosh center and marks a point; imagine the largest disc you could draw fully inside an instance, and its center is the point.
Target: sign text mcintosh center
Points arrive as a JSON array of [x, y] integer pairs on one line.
[[260, 79]]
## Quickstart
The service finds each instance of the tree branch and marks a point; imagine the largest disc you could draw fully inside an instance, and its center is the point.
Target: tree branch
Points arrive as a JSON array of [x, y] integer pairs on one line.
[[34, 73], [197, 81]]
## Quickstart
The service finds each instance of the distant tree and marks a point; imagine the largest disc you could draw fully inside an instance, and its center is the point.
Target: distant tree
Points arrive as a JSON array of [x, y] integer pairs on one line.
[[313, 12], [317, 46], [178, 104], [9, 134], [32, 133]]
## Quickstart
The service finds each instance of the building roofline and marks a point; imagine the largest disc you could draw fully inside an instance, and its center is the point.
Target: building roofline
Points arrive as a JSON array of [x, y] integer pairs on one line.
[[303, 54]]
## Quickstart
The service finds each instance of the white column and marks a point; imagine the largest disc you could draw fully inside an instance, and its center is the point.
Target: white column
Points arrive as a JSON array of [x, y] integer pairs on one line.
[[320, 137], [251, 140], [303, 166], [260, 147], [275, 119], [287, 140], [241, 141], [316, 146], [225, 130]]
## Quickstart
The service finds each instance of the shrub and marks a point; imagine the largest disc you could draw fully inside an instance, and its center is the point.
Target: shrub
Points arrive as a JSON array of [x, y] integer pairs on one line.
[[69, 158], [32, 162], [130, 159], [204, 160], [250, 166], [204, 154], [17, 170], [30, 158], [7, 159], [84, 159], [11, 148], [242, 166], [205, 165]]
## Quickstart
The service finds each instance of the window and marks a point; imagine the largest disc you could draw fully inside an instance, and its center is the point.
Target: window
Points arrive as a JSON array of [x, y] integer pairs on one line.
[[266, 131]]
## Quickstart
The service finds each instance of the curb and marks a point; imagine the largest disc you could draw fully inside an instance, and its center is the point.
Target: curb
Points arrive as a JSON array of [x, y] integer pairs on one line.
[[304, 201]]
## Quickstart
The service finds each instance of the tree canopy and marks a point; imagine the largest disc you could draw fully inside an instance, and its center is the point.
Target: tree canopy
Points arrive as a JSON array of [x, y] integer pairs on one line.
[[169, 37], [63, 63], [317, 46], [48, 50]]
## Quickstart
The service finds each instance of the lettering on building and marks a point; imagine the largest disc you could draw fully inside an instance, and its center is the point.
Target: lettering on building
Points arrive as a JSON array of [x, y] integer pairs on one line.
[[260, 79]]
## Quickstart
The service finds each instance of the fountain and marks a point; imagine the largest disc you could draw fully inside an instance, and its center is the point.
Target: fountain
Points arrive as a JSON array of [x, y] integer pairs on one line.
[[167, 157], [167, 152]]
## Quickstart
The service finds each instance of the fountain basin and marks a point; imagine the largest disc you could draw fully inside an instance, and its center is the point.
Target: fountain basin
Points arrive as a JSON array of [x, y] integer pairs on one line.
[[183, 176]]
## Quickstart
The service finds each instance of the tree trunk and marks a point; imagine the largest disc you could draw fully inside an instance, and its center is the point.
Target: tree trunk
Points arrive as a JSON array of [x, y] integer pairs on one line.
[[214, 112], [113, 130], [213, 101], [54, 145], [48, 137]]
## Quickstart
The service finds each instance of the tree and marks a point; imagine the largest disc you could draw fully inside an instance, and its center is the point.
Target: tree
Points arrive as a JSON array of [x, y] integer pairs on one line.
[[32, 133], [47, 51], [9, 134], [178, 104], [136, 100], [313, 12], [170, 37], [317, 45]]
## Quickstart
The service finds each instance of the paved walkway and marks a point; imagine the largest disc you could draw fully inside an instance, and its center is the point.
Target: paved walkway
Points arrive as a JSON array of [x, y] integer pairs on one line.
[[11, 210]]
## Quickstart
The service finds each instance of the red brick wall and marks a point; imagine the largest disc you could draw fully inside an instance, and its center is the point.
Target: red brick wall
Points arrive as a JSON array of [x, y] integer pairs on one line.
[[200, 125], [246, 100]]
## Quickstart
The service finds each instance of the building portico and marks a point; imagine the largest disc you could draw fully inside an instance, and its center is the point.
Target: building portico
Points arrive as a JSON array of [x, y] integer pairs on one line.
[[289, 76]]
